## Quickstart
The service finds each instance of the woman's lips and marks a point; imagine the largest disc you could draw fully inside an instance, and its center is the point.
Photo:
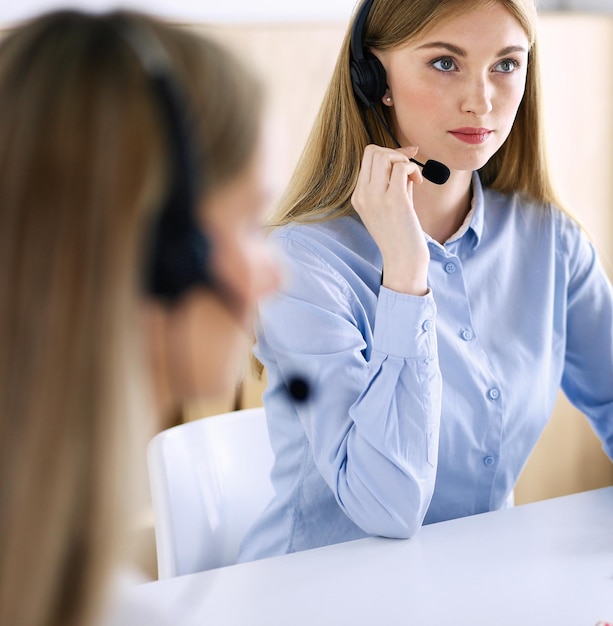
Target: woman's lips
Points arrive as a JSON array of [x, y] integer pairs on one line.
[[471, 135]]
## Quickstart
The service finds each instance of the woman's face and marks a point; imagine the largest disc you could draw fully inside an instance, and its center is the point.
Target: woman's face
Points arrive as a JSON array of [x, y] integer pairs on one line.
[[200, 345], [455, 90]]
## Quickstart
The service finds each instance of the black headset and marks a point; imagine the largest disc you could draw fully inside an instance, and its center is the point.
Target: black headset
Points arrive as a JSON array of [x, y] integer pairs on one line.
[[367, 73], [178, 253]]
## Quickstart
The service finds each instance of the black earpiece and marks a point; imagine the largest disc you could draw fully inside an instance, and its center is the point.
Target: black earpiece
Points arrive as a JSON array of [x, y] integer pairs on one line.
[[178, 257]]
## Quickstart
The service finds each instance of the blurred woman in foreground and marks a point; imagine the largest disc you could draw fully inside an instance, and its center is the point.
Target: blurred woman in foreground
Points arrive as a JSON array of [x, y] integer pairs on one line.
[[131, 260]]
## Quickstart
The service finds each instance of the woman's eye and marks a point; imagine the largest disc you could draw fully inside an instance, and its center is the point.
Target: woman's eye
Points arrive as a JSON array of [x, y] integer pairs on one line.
[[444, 64], [507, 66]]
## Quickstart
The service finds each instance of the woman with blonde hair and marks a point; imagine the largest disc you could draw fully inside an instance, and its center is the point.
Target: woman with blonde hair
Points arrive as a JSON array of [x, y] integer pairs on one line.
[[131, 259], [434, 312]]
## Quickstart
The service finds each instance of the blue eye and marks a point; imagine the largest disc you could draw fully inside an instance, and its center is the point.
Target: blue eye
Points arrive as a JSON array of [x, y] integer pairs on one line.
[[444, 64], [507, 66]]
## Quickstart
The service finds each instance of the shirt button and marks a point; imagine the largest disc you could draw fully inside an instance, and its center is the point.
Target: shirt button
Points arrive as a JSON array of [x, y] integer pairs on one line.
[[488, 461], [427, 325], [450, 268], [467, 334], [493, 394]]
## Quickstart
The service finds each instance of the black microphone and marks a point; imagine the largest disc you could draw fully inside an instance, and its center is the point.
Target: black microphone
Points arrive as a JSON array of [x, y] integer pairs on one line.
[[298, 388], [434, 171]]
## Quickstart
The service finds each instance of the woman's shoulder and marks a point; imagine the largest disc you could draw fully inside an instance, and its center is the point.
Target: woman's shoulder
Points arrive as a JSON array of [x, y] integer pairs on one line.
[[539, 220], [320, 229], [333, 237], [520, 204]]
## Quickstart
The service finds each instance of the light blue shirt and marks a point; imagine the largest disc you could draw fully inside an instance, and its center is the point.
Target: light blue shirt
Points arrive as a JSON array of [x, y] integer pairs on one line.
[[426, 408]]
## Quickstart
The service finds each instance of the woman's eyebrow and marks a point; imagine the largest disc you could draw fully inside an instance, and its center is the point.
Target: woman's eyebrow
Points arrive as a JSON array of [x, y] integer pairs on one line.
[[511, 49], [462, 53], [441, 44]]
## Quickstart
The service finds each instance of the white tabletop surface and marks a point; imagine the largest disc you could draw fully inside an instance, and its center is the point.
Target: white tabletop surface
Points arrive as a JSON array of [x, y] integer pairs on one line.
[[548, 563]]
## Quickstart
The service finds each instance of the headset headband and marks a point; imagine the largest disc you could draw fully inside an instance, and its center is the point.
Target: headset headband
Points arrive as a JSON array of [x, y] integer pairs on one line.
[[357, 32], [178, 258]]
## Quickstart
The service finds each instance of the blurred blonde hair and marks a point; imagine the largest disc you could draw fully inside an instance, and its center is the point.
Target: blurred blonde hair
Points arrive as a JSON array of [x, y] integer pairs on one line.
[[83, 165], [326, 174]]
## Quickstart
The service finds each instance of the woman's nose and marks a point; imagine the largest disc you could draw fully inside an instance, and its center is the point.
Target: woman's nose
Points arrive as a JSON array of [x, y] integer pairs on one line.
[[477, 97]]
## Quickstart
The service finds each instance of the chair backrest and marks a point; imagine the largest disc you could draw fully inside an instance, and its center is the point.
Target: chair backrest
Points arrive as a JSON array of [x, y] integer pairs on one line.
[[209, 479]]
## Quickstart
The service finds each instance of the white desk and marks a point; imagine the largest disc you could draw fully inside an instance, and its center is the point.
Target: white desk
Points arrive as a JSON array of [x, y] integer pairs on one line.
[[549, 563]]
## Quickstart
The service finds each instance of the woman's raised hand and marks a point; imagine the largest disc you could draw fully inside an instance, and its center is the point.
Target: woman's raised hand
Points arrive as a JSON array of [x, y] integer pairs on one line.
[[383, 198]]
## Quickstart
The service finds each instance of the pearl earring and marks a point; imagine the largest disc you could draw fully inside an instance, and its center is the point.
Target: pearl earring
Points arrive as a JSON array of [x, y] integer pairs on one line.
[[388, 99]]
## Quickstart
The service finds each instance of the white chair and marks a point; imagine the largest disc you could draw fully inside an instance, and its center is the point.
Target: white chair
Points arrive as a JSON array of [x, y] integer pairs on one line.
[[209, 480]]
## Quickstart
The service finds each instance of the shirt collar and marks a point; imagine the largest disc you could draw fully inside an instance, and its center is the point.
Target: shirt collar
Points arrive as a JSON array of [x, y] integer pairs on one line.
[[474, 218]]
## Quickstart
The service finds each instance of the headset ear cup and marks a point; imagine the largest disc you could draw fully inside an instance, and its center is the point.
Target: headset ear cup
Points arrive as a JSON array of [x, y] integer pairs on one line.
[[180, 256], [369, 79]]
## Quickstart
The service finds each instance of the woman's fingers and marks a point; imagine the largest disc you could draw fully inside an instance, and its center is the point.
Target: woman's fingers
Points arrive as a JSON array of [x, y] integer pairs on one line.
[[384, 172], [383, 199], [378, 161], [404, 172]]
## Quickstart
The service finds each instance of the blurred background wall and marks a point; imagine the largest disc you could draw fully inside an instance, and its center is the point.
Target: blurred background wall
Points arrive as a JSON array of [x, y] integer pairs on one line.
[[248, 10]]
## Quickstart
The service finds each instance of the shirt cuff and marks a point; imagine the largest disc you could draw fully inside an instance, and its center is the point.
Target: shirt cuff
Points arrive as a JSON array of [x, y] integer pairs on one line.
[[405, 325]]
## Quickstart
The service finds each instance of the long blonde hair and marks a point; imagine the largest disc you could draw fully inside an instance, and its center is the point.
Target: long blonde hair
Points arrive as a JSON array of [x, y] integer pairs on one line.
[[83, 165], [326, 174]]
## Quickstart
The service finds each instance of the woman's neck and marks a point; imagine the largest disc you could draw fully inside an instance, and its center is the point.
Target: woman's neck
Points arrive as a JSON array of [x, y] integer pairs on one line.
[[442, 209]]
